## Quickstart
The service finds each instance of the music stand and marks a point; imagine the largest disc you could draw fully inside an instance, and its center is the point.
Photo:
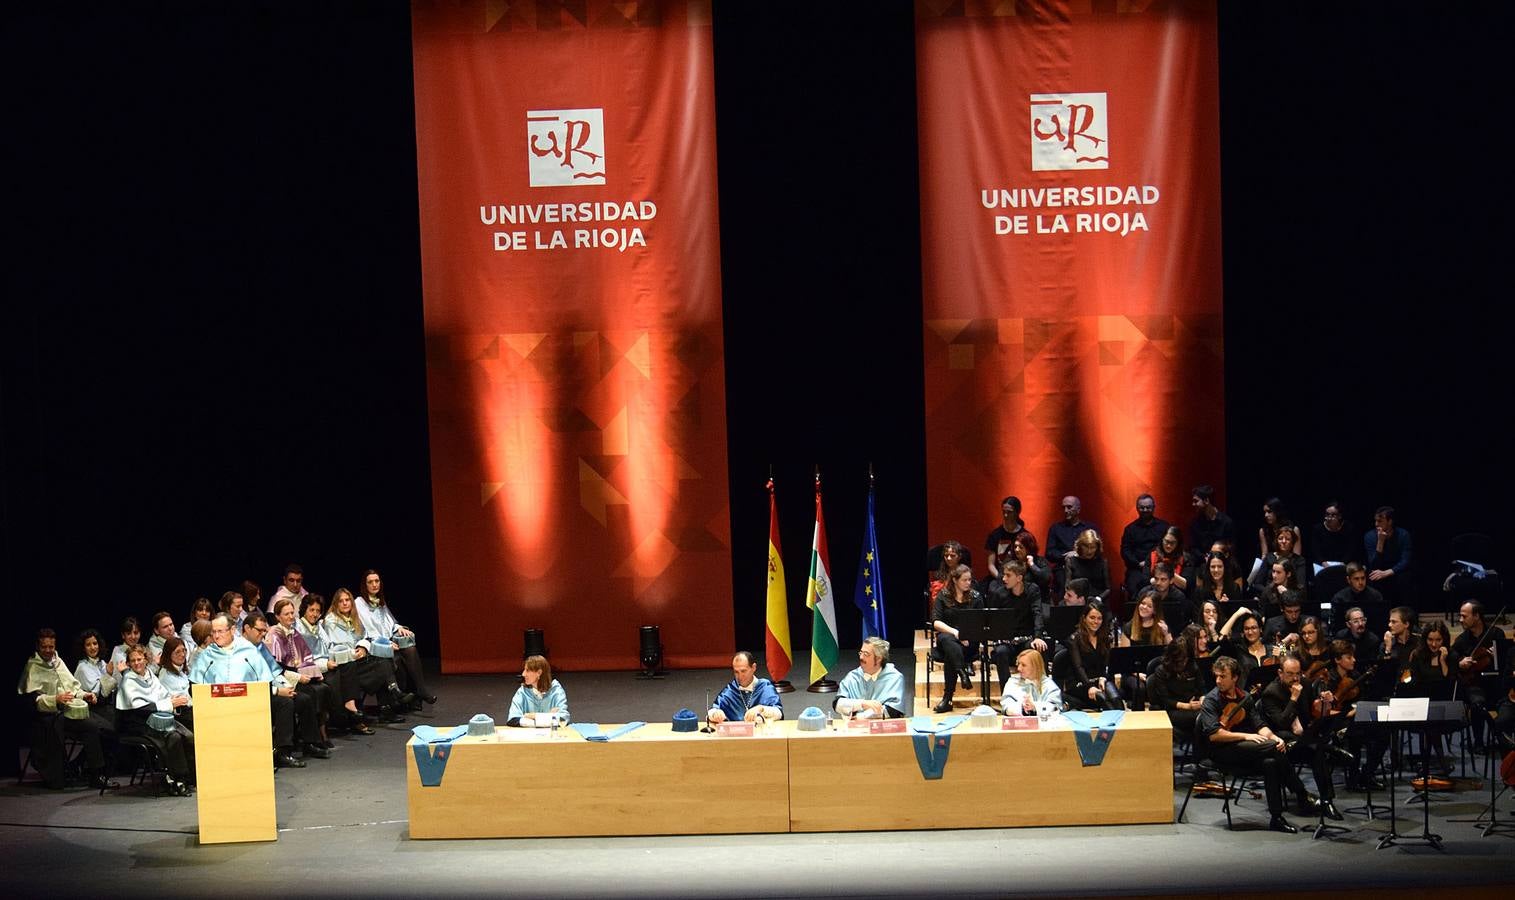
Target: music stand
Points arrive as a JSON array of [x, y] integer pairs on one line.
[[1177, 613], [1134, 659], [1371, 711], [986, 626], [1062, 621]]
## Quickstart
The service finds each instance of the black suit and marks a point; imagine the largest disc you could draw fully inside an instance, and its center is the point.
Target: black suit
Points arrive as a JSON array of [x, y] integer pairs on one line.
[[1280, 711]]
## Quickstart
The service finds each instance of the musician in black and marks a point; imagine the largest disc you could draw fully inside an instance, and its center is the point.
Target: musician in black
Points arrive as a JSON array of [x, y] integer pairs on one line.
[[1287, 707], [1468, 650], [1365, 743], [1088, 684], [1014, 592], [1248, 742]]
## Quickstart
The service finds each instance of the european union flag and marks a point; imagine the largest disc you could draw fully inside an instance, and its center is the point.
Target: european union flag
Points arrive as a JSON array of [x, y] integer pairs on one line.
[[869, 595]]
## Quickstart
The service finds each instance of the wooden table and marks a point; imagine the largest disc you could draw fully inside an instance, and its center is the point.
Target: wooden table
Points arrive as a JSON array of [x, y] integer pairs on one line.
[[850, 781], [652, 781]]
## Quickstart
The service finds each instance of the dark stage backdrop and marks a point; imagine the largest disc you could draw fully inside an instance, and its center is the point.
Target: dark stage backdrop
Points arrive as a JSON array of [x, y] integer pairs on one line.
[[213, 357]]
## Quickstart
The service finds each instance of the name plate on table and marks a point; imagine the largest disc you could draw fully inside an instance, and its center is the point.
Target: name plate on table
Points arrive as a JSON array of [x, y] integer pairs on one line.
[[734, 729], [888, 726], [1020, 723], [238, 689]]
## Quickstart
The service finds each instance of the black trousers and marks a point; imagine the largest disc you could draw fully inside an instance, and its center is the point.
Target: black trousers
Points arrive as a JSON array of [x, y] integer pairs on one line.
[[1077, 696], [1313, 751], [955, 658], [369, 675], [50, 730], [177, 752], [292, 715], [1264, 758], [408, 661], [1003, 656]]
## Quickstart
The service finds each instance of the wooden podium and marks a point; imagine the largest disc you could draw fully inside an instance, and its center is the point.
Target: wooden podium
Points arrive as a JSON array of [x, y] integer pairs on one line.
[[234, 763]]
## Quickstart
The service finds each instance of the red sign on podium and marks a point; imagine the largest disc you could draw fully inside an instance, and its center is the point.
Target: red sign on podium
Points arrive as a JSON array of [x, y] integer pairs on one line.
[[238, 689]]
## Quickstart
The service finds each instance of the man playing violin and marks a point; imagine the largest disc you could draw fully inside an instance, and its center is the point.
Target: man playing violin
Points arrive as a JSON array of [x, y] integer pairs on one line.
[[1287, 708], [1476, 652], [1238, 737]]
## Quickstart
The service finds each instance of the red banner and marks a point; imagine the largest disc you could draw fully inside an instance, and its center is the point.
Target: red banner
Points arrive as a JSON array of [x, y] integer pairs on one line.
[[569, 249], [1070, 209]]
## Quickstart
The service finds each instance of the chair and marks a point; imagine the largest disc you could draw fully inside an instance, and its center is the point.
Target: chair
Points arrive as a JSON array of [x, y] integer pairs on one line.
[[146, 761], [1231, 777]]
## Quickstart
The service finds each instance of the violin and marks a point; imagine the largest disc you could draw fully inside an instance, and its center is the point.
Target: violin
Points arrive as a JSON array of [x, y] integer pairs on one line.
[[1346, 694], [1235, 712], [1481, 656], [1318, 671]]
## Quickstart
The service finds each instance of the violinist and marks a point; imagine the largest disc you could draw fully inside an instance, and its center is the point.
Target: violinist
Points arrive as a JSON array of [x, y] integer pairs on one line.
[[1476, 650], [1253, 653], [1345, 686], [1287, 705], [1237, 736], [1313, 649], [1364, 644], [1430, 673]]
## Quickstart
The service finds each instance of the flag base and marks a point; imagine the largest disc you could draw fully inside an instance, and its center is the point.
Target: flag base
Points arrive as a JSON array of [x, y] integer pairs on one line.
[[783, 687], [824, 686]]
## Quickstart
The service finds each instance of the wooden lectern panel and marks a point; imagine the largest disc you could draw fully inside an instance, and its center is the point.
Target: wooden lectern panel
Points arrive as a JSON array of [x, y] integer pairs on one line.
[[234, 763]]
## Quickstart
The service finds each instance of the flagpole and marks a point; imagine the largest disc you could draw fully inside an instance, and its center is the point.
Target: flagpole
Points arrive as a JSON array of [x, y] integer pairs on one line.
[[819, 597]]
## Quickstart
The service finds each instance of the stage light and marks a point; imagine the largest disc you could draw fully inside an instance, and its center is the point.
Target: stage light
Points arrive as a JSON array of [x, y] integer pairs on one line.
[[650, 641], [535, 643]]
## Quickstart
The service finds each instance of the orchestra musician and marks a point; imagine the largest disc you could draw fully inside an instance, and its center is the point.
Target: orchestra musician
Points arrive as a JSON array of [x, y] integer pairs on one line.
[[1236, 735], [1287, 707]]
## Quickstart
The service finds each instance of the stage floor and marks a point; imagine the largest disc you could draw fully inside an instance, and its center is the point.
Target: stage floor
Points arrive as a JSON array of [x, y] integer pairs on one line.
[[343, 831]]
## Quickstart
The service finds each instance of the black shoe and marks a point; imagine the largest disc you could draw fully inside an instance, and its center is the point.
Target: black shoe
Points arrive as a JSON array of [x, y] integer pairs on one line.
[[402, 699], [356, 725], [943, 707], [1309, 805], [431, 699], [1331, 811], [317, 751], [966, 678], [328, 745], [102, 784], [1343, 755], [389, 716], [283, 759], [1281, 825]]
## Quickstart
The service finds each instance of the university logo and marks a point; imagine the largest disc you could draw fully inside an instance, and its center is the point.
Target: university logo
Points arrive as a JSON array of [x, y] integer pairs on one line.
[[565, 147], [1069, 131]]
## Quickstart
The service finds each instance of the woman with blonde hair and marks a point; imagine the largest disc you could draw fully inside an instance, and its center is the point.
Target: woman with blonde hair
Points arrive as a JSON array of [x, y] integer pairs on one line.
[[1031, 690], [342, 636], [1087, 560]]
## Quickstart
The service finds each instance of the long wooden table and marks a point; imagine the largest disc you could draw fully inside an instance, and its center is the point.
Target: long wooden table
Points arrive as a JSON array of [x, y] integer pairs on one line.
[[523, 782]]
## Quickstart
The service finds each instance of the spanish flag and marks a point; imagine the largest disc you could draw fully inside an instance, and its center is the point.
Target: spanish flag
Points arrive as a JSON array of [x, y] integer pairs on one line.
[[777, 628]]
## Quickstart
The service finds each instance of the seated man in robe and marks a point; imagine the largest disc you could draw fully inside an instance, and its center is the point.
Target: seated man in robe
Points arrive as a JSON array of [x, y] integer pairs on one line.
[[875, 688], [748, 697], [52, 688]]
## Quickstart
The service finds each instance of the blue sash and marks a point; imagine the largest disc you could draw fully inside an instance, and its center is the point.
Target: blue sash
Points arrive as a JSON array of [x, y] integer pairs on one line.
[[1093, 735], [431, 761], [932, 743], [591, 731]]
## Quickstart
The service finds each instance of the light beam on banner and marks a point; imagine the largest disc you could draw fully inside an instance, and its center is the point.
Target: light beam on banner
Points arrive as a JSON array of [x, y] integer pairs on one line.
[[869, 596], [822, 604], [776, 628]]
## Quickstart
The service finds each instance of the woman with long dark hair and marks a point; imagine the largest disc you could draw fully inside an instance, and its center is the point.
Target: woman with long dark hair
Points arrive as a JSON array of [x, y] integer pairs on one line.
[[95, 674], [379, 623], [956, 653], [1177, 687], [1088, 685], [347, 644], [540, 699], [1170, 550]]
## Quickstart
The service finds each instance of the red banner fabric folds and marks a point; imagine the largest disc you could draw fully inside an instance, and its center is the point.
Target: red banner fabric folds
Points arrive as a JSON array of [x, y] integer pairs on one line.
[[569, 246], [1070, 208]]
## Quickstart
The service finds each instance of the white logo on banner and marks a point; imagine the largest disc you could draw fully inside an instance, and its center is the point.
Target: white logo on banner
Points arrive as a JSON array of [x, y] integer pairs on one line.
[[1069, 131], [565, 147]]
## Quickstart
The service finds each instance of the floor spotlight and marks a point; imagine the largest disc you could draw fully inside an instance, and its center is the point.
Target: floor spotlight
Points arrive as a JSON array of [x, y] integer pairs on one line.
[[650, 642]]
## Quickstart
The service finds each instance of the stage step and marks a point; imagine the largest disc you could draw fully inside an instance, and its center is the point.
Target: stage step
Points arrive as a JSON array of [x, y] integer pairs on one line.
[[964, 698]]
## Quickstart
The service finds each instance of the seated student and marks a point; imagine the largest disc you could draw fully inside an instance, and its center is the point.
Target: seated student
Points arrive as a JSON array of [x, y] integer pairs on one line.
[[1163, 589], [875, 688], [1252, 652], [1313, 646], [131, 634], [1038, 570], [1276, 521], [1210, 524], [1077, 592], [162, 629], [1363, 741], [540, 700], [1170, 552], [141, 695], [229, 658], [747, 697], [956, 652], [173, 674], [1087, 561], [1285, 554], [1387, 549], [1146, 628], [51, 687], [1214, 581], [1332, 540], [200, 611], [93, 672], [1283, 629], [1176, 686], [1431, 663], [949, 556], [1249, 742], [1281, 585], [1088, 685], [999, 546], [1141, 538], [1012, 591], [1357, 593], [342, 633]]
